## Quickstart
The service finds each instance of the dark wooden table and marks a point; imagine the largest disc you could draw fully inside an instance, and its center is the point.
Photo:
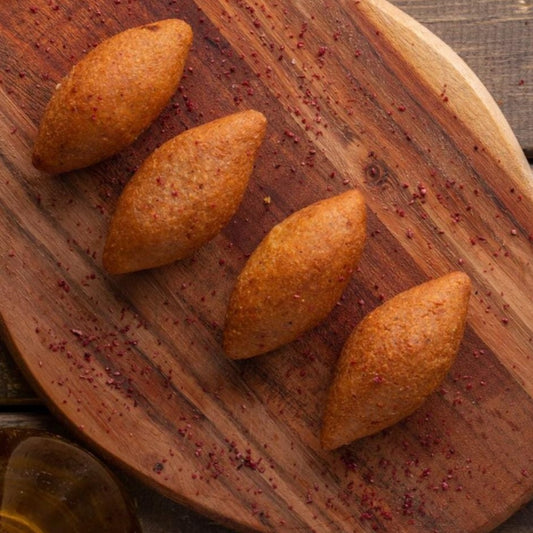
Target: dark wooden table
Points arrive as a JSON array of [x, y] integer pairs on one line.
[[494, 37]]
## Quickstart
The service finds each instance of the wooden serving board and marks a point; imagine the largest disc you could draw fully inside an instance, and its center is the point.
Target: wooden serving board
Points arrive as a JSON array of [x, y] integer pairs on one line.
[[357, 94]]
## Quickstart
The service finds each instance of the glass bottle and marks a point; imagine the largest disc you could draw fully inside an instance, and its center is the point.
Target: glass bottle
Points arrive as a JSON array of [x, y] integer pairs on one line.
[[50, 485]]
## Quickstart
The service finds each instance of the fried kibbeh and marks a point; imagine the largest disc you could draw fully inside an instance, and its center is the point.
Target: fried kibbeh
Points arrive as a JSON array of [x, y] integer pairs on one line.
[[111, 95], [295, 276], [184, 193], [395, 358]]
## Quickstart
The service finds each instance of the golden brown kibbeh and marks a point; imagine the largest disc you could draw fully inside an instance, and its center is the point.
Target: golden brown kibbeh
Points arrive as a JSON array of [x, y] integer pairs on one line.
[[184, 193], [295, 276], [395, 358], [111, 95]]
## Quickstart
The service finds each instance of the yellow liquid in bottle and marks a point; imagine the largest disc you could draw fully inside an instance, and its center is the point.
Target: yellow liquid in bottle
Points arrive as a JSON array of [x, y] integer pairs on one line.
[[11, 523], [48, 485]]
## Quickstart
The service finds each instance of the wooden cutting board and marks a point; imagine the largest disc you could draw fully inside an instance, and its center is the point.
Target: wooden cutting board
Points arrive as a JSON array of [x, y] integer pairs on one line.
[[357, 95]]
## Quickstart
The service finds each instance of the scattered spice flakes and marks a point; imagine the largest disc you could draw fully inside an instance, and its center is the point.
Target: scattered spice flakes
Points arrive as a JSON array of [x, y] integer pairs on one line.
[[444, 97], [245, 459], [372, 510], [99, 359], [159, 467], [63, 285]]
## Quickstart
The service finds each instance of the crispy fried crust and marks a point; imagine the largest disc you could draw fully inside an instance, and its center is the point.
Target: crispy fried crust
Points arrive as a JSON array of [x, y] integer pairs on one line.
[[395, 358], [111, 96], [295, 276], [184, 193]]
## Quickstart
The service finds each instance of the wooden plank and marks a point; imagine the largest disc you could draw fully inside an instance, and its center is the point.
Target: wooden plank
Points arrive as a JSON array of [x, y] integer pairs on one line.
[[14, 389], [333, 124], [495, 39]]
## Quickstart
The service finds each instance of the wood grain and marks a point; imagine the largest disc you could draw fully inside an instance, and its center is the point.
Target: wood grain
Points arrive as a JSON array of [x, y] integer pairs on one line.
[[494, 38], [134, 363], [158, 514]]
